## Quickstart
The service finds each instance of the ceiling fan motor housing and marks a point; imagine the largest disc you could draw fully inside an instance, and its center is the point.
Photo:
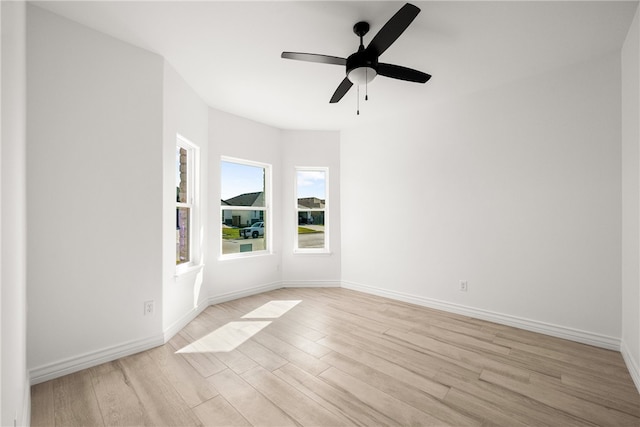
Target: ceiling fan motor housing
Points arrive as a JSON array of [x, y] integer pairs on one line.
[[362, 67]]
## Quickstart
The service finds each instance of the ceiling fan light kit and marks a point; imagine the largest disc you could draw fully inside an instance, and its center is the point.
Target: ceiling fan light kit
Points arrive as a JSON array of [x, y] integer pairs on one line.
[[363, 66]]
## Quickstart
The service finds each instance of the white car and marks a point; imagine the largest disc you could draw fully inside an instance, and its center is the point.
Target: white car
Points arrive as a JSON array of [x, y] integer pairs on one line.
[[254, 231]]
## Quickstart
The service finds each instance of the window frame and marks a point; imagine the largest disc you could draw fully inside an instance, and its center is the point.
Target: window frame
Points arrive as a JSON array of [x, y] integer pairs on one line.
[[266, 209], [327, 248], [192, 203]]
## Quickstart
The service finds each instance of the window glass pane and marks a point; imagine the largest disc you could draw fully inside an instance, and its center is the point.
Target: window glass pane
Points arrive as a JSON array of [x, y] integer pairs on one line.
[[242, 185], [181, 175], [310, 229], [311, 185], [243, 231], [182, 235], [311, 197]]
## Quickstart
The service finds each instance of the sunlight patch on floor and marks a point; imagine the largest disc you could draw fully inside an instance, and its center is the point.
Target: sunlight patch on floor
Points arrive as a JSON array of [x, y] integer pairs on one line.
[[226, 338], [272, 309]]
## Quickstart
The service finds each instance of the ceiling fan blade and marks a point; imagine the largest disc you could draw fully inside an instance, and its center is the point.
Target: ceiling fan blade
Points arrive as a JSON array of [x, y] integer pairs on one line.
[[314, 57], [402, 73], [393, 28], [341, 91]]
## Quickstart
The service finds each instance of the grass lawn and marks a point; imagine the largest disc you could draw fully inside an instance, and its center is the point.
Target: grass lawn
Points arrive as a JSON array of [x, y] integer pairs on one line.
[[305, 230], [230, 233]]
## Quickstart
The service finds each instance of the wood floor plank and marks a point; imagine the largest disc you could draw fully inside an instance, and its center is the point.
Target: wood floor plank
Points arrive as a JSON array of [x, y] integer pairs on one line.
[[75, 402], [253, 406], [193, 388], [162, 403], [42, 405], [290, 335], [205, 363], [296, 404], [462, 356], [556, 399], [290, 353], [520, 407], [617, 390], [416, 359], [514, 335], [594, 395], [586, 362], [395, 409], [218, 412], [118, 401], [332, 356], [387, 367], [334, 399], [400, 390], [486, 412], [262, 355], [556, 368], [462, 340], [207, 323]]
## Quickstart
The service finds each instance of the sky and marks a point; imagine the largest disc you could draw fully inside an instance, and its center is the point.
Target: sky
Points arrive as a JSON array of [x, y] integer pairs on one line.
[[239, 179], [311, 184]]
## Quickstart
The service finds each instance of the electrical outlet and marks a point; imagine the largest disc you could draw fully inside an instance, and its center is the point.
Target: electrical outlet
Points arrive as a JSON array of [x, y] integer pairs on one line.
[[464, 286], [148, 308]]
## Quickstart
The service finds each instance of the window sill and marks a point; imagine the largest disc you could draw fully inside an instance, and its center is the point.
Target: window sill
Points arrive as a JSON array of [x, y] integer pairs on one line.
[[244, 255], [311, 252], [187, 269]]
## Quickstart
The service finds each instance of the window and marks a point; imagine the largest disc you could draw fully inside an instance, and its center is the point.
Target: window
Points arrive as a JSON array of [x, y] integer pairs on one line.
[[311, 208], [244, 207], [186, 200]]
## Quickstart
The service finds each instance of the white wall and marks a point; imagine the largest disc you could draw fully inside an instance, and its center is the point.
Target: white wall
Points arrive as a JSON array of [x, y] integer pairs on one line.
[[94, 195], [185, 114], [14, 393], [234, 136], [515, 190], [631, 200], [310, 148]]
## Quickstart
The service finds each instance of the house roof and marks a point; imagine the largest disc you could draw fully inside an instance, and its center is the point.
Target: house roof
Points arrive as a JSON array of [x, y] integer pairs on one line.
[[246, 199], [311, 203], [466, 46]]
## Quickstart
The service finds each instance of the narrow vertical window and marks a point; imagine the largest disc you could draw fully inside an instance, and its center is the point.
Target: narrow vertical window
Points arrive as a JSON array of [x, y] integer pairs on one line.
[[311, 208], [244, 207], [186, 186]]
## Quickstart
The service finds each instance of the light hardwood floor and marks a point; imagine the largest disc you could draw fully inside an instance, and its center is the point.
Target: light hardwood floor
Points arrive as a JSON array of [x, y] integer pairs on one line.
[[339, 357]]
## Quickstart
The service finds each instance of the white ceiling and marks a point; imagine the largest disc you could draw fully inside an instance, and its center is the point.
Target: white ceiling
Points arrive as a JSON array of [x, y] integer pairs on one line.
[[229, 52]]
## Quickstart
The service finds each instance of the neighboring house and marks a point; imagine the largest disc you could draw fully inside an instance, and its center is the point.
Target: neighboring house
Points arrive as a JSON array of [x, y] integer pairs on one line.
[[242, 218], [310, 217]]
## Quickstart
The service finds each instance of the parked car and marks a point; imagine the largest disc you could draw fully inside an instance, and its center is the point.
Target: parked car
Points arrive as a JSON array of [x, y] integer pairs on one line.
[[254, 231]]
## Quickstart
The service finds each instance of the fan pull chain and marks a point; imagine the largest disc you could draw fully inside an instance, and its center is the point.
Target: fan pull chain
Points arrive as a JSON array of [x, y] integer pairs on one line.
[[366, 84], [358, 101]]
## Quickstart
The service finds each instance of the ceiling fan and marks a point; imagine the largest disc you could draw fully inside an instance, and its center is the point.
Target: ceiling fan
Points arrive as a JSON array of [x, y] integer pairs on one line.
[[363, 66]]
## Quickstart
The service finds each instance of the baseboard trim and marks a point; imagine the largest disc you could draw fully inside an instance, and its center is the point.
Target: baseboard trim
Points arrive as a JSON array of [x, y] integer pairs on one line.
[[93, 358], [632, 365], [572, 334], [230, 296], [311, 284], [176, 326]]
